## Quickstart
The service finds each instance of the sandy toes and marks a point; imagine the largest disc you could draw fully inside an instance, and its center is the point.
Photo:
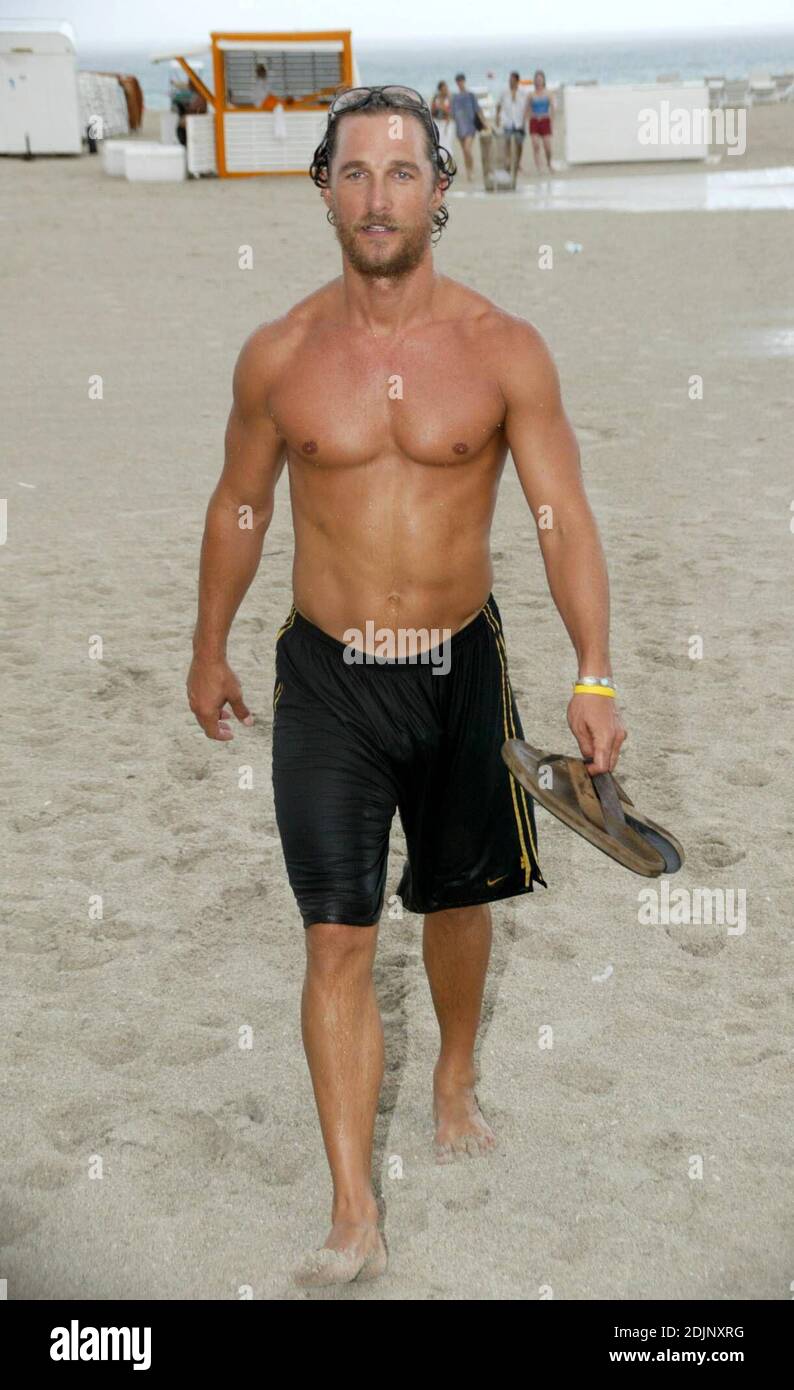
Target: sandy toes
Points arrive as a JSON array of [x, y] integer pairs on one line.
[[363, 1257], [461, 1128]]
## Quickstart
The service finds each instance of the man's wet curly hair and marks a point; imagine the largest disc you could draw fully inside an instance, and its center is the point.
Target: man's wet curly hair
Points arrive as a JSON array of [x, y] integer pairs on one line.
[[377, 100]]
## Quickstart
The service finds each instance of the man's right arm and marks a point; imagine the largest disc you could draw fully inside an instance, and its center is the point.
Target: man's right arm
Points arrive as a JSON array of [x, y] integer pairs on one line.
[[238, 516]]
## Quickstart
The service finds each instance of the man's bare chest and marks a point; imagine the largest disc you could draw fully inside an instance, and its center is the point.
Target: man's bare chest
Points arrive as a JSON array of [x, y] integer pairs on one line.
[[342, 408]]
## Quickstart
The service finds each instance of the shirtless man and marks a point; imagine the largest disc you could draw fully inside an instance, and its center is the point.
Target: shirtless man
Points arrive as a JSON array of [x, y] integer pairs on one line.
[[394, 393]]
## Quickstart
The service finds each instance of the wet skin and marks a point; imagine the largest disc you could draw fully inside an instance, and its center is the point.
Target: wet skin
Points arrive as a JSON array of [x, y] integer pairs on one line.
[[392, 396]]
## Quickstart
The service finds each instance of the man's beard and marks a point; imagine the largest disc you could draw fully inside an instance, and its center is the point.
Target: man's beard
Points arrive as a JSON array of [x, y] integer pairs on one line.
[[410, 249]]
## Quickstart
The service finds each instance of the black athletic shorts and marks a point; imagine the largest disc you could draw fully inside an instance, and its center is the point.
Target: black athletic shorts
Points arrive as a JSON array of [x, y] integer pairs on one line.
[[354, 743]]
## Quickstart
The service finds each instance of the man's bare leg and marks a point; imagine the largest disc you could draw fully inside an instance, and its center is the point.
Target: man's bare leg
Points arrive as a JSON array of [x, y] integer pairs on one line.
[[456, 948], [468, 156], [343, 1040]]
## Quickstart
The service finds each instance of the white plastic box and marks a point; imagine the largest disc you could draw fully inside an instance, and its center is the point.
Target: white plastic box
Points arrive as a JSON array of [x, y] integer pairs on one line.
[[145, 162], [113, 154]]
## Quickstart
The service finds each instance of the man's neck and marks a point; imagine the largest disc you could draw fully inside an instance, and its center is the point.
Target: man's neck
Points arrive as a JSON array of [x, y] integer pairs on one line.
[[387, 306]]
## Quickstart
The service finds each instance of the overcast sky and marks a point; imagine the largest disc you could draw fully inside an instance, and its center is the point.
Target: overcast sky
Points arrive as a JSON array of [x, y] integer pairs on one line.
[[151, 22]]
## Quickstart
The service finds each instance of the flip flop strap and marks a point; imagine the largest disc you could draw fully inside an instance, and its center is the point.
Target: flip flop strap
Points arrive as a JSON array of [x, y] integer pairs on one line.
[[605, 808], [612, 810], [597, 798]]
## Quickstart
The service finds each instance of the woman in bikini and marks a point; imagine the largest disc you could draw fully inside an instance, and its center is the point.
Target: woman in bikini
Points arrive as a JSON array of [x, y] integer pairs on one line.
[[540, 110]]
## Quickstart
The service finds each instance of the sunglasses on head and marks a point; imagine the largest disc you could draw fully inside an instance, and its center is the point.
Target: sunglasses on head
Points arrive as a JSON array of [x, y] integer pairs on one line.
[[358, 97]]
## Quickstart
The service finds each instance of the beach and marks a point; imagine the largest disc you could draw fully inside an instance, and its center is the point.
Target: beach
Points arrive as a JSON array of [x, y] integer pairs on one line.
[[160, 1138]]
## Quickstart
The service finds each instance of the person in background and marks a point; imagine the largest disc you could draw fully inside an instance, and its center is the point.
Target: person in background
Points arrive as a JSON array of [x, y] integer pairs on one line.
[[186, 100], [511, 110], [441, 111], [261, 86], [466, 114], [540, 109]]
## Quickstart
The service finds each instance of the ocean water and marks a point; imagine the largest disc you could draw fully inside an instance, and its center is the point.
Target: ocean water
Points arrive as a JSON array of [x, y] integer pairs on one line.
[[487, 62]]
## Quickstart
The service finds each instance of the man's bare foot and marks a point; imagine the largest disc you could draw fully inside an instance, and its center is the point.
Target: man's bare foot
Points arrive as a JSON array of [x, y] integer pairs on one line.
[[353, 1250], [460, 1125]]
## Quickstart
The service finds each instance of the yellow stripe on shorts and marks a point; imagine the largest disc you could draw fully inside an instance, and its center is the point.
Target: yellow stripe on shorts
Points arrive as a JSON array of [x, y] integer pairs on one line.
[[290, 620], [520, 806]]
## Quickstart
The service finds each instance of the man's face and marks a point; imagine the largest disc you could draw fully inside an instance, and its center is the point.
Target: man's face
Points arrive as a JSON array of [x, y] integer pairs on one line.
[[383, 192]]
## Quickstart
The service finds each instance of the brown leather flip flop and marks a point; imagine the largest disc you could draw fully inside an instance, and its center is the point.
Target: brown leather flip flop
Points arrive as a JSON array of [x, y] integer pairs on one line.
[[596, 808]]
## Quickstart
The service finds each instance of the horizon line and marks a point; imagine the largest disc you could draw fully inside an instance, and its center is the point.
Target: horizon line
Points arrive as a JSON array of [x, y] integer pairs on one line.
[[547, 36]]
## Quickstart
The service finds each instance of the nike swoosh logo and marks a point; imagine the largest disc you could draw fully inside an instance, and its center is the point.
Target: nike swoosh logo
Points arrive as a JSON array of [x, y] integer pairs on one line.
[[492, 881]]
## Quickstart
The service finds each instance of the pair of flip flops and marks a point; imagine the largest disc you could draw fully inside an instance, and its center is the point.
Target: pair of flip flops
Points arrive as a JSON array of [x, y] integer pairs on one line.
[[596, 807]]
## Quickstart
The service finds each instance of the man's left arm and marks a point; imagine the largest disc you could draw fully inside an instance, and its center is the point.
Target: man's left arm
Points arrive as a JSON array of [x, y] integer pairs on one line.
[[546, 455]]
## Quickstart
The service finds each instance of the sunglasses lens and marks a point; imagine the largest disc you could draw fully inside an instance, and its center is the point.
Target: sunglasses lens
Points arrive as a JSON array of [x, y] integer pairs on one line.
[[354, 97], [358, 96], [407, 92]]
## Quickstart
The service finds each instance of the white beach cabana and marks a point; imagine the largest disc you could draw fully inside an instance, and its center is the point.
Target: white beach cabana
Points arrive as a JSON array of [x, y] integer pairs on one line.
[[613, 124], [238, 139], [39, 99]]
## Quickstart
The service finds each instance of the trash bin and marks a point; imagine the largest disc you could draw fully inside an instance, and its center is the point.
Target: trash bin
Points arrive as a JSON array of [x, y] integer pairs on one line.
[[499, 154]]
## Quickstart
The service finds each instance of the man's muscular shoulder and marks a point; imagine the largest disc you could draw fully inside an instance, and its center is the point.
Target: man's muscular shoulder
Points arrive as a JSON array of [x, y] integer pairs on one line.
[[267, 351], [525, 366], [510, 344]]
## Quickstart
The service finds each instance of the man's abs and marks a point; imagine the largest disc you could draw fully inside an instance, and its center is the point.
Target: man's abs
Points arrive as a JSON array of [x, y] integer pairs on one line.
[[392, 554]]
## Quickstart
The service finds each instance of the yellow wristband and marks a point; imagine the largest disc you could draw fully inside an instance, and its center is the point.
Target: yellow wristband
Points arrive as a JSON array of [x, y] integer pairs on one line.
[[593, 690]]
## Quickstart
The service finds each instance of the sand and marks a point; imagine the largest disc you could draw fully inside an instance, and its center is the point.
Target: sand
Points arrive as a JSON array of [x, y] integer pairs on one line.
[[122, 1036]]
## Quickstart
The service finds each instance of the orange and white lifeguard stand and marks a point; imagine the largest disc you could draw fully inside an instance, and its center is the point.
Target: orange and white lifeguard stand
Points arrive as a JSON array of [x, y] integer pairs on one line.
[[237, 139]]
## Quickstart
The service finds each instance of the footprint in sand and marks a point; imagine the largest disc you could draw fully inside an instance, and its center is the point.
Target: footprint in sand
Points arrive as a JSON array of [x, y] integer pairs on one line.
[[76, 1129], [123, 682], [555, 948], [765, 1055], [113, 1044], [665, 1201], [47, 1176], [747, 774], [246, 1110], [190, 1046], [121, 856], [756, 999], [474, 1202], [716, 852], [587, 1078], [663, 1151], [274, 1155], [84, 952], [702, 942], [184, 860]]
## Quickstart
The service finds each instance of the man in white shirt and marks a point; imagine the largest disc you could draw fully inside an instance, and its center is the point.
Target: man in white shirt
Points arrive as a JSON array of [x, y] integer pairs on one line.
[[510, 110]]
